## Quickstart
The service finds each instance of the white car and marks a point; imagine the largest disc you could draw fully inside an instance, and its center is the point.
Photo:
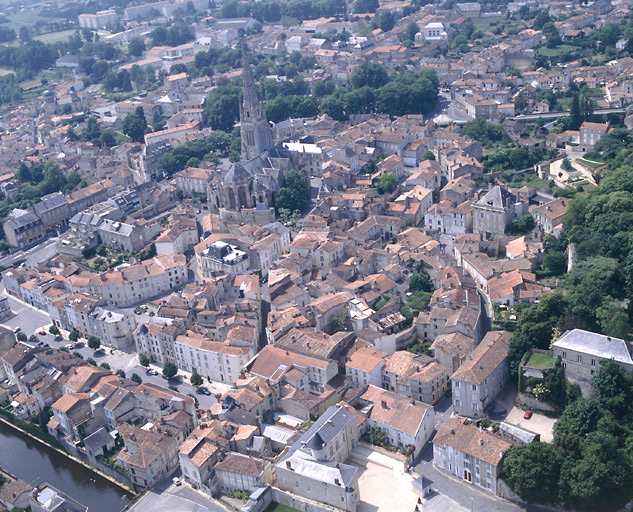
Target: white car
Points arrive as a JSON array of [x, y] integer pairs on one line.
[[69, 346], [176, 480]]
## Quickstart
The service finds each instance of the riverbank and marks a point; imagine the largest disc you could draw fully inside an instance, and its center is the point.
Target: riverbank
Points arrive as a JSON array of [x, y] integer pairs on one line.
[[68, 456]]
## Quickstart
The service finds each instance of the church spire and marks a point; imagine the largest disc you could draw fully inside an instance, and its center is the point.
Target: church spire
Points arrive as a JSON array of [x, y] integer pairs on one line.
[[255, 130]]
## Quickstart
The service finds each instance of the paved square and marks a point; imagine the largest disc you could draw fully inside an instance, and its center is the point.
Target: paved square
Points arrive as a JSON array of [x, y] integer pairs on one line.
[[384, 489]]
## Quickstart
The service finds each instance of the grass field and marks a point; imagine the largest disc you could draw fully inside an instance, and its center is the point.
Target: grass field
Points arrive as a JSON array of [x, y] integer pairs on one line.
[[276, 507], [555, 52], [538, 360], [55, 37]]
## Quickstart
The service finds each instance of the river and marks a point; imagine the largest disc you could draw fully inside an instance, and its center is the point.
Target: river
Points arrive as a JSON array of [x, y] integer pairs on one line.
[[37, 463]]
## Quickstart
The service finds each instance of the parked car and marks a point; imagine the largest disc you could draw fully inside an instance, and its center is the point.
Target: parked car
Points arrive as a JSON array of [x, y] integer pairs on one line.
[[528, 414], [151, 371], [176, 480], [17, 330], [42, 332], [204, 391], [69, 346], [137, 311]]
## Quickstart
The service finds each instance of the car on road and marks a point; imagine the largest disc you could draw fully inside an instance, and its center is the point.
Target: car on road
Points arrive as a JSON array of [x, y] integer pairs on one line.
[[176, 481], [17, 330], [137, 311], [528, 414], [69, 346], [42, 332], [152, 372], [204, 391]]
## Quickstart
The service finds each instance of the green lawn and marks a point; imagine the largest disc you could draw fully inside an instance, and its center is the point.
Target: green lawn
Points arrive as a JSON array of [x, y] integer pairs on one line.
[[590, 164], [276, 507], [556, 52], [542, 361], [55, 37]]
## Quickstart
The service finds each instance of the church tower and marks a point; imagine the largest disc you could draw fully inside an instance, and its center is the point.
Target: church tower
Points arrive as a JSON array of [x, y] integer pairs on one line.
[[257, 135]]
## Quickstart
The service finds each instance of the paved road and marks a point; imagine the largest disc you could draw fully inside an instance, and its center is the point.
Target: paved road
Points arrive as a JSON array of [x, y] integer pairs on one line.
[[34, 255], [28, 318]]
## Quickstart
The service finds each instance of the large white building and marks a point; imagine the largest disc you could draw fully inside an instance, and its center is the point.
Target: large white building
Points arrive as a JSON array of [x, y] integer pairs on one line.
[[581, 352], [102, 19], [215, 360], [135, 283]]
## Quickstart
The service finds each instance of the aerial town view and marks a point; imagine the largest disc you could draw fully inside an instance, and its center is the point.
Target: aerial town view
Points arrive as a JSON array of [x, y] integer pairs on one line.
[[316, 255]]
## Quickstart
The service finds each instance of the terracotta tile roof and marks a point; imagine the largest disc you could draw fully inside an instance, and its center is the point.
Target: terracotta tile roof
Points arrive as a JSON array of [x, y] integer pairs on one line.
[[489, 354], [472, 441]]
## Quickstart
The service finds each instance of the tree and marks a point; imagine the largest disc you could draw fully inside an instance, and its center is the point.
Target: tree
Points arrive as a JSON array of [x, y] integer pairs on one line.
[[136, 378], [366, 6], [371, 74], [532, 471], [412, 30], [21, 337], [579, 418], [105, 366], [143, 360], [387, 183], [54, 330], [541, 19], [25, 34], [420, 282], [94, 343], [196, 379], [340, 322], [134, 127], [120, 373], [170, 370], [614, 387], [136, 47], [91, 361], [521, 226], [33, 339], [74, 335], [376, 436], [385, 20]]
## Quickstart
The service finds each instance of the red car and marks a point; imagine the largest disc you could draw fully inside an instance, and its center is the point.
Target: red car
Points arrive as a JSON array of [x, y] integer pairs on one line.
[[42, 333], [528, 414]]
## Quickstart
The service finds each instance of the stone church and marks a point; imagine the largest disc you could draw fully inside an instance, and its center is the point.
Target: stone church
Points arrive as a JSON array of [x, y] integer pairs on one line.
[[245, 191]]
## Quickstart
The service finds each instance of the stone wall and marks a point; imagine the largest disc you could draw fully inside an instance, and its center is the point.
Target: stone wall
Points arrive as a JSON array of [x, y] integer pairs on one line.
[[527, 400], [299, 503]]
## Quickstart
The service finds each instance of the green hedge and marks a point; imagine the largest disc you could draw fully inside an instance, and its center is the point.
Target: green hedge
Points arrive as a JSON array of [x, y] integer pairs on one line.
[[31, 428]]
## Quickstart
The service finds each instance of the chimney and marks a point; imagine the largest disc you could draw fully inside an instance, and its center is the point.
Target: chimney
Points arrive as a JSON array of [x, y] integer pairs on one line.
[[481, 442], [383, 404], [288, 464], [337, 481], [329, 422]]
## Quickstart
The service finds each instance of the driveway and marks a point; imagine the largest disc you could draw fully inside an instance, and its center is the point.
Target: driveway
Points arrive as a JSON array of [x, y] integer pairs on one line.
[[538, 423]]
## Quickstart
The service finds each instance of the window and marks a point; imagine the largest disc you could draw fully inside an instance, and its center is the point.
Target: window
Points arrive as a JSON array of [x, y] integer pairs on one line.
[[580, 359], [593, 362], [474, 387], [564, 355]]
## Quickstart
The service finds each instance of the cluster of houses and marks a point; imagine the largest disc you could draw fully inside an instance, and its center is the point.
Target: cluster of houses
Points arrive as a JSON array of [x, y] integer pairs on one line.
[[311, 326]]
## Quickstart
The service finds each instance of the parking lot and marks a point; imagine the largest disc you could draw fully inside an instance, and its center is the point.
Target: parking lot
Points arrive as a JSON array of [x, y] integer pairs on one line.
[[170, 498], [538, 423]]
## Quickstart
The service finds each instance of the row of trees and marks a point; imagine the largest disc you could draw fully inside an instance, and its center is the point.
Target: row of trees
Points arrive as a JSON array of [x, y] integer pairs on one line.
[[271, 11]]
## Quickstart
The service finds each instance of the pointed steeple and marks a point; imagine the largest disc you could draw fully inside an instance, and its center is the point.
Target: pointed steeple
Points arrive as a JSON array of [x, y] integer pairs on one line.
[[257, 135]]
